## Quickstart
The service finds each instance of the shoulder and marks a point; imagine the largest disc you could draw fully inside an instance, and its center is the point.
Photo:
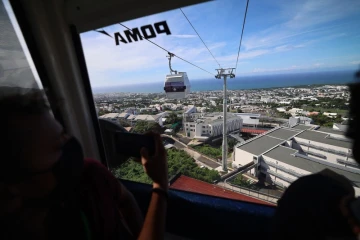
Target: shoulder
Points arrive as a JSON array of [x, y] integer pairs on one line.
[[95, 168], [96, 174]]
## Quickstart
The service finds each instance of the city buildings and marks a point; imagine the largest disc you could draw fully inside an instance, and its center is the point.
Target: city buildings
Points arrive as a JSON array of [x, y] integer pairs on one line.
[[201, 126]]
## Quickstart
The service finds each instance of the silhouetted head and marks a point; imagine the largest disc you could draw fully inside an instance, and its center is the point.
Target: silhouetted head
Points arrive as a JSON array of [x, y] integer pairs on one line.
[[32, 146], [310, 208]]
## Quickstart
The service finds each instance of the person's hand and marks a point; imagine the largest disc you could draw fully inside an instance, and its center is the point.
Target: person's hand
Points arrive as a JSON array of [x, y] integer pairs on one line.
[[156, 166]]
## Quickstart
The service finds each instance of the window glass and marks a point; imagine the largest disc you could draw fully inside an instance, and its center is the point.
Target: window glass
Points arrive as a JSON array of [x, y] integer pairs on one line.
[[287, 106], [17, 70]]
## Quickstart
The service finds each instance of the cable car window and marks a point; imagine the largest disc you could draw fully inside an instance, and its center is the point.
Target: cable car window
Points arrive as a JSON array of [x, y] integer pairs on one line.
[[280, 70]]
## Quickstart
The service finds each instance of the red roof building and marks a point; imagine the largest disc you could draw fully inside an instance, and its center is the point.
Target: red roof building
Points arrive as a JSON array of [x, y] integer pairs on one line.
[[252, 130], [189, 184]]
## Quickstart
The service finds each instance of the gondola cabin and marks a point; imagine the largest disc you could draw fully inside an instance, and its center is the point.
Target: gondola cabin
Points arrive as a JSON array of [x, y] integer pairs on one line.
[[177, 86]]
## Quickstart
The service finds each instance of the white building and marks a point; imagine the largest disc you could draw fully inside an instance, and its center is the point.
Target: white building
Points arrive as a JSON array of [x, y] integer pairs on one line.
[[330, 115], [249, 119], [267, 99], [204, 125], [295, 111], [284, 154], [110, 116], [281, 109], [213, 103], [151, 118]]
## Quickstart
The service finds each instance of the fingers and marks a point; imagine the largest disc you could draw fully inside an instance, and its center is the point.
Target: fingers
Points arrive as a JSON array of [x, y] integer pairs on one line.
[[160, 150], [144, 156], [159, 147]]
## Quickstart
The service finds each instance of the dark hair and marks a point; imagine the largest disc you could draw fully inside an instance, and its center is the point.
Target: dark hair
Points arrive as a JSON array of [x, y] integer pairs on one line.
[[30, 102], [16, 103], [354, 110]]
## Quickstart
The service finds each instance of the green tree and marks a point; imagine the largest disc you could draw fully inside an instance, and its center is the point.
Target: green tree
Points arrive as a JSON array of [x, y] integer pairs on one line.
[[102, 112], [123, 123], [284, 115], [209, 151], [231, 143], [178, 161], [147, 126], [172, 118], [322, 120], [241, 181]]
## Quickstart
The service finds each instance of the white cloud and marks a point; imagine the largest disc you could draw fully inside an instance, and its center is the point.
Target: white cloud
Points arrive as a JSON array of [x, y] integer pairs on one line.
[[311, 13], [261, 70], [355, 62], [184, 36]]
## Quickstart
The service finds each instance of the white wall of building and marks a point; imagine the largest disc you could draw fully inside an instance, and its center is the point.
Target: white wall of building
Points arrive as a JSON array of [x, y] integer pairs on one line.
[[278, 162], [242, 157], [202, 129], [232, 124], [330, 157]]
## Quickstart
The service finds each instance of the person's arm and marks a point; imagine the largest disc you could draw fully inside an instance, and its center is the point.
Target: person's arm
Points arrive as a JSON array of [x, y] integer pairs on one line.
[[156, 168]]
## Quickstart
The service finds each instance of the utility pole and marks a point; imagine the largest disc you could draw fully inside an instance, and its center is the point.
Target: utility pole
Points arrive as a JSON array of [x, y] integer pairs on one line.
[[224, 73]]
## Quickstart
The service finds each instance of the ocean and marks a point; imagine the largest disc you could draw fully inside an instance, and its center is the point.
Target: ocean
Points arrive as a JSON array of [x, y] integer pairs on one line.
[[244, 82]]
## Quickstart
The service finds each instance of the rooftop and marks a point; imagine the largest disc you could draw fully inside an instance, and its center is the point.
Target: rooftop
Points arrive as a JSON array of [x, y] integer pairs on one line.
[[109, 115], [193, 185], [302, 127], [322, 138], [283, 154], [329, 130], [147, 117], [283, 133], [260, 145]]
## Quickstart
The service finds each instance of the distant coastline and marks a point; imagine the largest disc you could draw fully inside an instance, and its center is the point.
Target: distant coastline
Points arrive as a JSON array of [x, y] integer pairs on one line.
[[244, 83]]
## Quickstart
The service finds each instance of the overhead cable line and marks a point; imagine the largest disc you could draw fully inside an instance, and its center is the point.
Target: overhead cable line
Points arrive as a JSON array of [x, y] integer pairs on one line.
[[168, 51], [242, 32], [199, 36]]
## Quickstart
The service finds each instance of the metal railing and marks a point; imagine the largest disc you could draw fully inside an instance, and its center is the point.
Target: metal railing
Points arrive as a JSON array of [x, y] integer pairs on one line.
[[353, 164], [339, 138], [314, 154], [279, 184], [327, 163], [292, 172], [252, 193], [341, 153], [290, 180]]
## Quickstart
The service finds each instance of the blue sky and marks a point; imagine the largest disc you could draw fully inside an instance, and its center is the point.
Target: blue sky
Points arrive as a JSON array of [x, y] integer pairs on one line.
[[280, 36]]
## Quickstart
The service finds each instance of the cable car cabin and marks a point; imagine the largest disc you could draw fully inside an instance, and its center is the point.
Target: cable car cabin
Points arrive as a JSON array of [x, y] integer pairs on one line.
[[177, 86]]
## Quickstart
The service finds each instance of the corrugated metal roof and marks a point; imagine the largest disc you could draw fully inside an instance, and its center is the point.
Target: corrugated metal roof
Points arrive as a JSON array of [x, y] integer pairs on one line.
[[283, 154], [283, 133], [110, 115], [330, 130], [260, 145], [302, 127], [321, 138]]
